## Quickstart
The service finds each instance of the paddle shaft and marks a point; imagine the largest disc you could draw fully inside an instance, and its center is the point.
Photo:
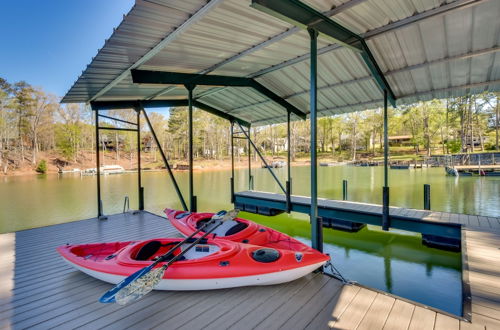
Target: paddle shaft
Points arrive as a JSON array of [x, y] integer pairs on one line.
[[160, 259], [174, 259]]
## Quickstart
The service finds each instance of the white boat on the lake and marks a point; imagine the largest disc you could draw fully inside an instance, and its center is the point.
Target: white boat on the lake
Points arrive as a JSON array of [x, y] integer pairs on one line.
[[105, 169], [74, 170]]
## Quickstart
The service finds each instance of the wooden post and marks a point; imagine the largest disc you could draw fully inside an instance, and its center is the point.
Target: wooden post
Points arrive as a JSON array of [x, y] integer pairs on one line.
[[427, 197], [344, 190]]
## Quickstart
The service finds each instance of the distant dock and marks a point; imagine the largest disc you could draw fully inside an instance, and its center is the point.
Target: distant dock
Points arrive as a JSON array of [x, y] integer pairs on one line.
[[470, 170]]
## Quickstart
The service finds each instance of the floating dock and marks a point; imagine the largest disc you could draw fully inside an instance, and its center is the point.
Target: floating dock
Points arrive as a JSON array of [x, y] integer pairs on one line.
[[469, 170], [40, 290]]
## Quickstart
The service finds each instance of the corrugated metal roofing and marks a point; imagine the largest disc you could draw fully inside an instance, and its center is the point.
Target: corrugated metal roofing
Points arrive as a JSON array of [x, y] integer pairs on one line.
[[426, 49]]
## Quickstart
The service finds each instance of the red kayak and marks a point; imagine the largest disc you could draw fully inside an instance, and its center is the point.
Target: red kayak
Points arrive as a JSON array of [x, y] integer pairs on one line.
[[237, 230], [211, 264]]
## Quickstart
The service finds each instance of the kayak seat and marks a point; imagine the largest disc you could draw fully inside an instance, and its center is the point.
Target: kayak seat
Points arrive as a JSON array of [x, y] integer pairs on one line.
[[148, 250], [151, 248], [227, 228], [236, 228]]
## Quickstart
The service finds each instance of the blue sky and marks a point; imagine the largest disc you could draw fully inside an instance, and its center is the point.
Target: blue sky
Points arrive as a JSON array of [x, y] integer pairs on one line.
[[48, 43]]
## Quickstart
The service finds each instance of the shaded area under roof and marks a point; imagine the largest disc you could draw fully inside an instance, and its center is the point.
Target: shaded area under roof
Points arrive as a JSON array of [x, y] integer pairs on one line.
[[425, 48]]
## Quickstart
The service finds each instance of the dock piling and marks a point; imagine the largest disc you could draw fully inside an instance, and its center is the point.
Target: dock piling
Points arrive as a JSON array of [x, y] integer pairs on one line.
[[344, 190], [427, 197]]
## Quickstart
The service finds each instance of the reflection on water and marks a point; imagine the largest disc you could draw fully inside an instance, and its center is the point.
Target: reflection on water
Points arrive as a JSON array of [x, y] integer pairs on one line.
[[32, 201], [393, 262]]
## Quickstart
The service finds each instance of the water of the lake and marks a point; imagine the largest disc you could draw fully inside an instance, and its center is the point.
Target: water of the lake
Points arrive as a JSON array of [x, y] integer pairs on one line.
[[395, 262]]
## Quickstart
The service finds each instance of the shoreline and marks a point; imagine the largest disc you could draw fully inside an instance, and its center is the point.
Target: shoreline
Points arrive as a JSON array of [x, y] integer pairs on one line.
[[219, 166]]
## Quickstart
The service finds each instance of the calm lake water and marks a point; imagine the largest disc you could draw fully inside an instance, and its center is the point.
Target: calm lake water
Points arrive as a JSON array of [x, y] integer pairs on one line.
[[395, 261]]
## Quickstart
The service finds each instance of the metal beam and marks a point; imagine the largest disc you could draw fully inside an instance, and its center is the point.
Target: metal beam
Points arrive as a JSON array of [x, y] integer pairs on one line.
[[176, 78], [192, 197], [140, 191], [288, 166], [160, 46], [232, 160], [162, 77], [118, 129], [316, 227], [250, 177], [299, 14], [285, 104], [385, 190], [219, 113], [119, 120], [98, 165], [137, 104]]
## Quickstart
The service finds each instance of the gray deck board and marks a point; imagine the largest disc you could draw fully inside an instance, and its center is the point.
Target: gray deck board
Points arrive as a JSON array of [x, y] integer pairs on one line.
[[400, 316], [60, 297], [356, 311]]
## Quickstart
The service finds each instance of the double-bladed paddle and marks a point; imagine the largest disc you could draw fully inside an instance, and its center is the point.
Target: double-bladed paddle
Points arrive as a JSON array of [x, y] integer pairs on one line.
[[144, 280]]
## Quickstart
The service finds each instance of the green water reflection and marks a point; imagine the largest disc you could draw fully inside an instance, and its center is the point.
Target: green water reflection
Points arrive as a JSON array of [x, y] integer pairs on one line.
[[394, 262], [32, 201]]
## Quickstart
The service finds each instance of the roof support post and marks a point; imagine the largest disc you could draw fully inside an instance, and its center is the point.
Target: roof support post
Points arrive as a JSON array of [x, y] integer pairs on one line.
[[316, 226], [192, 197], [139, 174], [385, 190], [165, 161], [289, 168], [232, 160], [100, 214], [250, 177]]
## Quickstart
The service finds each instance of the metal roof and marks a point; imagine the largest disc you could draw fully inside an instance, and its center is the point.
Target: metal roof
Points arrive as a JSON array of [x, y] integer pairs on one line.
[[426, 48]]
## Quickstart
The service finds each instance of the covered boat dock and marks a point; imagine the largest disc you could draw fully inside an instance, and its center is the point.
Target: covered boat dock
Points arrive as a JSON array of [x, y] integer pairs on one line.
[[255, 63]]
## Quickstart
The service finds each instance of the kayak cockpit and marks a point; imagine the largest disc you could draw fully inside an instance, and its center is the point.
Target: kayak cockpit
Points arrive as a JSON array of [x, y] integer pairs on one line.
[[228, 228], [154, 249], [99, 251]]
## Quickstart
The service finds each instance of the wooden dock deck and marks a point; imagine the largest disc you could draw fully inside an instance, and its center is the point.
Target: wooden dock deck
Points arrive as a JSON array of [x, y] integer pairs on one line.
[[39, 290]]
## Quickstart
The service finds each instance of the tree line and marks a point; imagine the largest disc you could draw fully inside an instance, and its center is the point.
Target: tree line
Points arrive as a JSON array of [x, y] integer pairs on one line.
[[33, 122]]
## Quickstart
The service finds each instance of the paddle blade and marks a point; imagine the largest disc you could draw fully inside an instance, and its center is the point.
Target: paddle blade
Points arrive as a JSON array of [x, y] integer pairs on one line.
[[109, 297], [231, 215], [140, 287], [219, 215]]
